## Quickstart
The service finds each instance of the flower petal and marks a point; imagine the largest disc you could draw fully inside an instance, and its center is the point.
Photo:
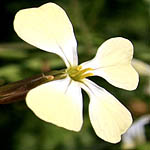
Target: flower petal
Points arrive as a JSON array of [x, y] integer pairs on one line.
[[109, 118], [113, 63], [141, 67], [48, 28], [58, 102], [136, 133]]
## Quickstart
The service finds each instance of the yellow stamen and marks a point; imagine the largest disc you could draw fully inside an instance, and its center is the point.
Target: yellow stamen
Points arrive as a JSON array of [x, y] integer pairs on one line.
[[86, 75], [77, 73], [79, 68]]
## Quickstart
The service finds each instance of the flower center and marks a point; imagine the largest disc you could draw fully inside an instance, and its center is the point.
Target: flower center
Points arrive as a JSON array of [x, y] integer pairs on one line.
[[77, 73]]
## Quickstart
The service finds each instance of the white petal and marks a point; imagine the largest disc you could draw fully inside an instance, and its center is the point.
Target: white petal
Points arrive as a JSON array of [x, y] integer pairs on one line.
[[136, 133], [113, 63], [58, 102], [122, 76], [141, 67], [48, 28], [109, 118]]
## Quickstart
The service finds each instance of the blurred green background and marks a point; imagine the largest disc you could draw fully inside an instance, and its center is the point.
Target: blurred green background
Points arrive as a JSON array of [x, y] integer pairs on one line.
[[94, 22]]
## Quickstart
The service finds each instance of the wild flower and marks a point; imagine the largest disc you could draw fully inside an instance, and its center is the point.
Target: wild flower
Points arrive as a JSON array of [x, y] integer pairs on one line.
[[60, 101]]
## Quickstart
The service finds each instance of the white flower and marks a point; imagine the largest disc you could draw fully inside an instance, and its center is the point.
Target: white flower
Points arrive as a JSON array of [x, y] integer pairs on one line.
[[141, 67], [136, 134], [60, 101]]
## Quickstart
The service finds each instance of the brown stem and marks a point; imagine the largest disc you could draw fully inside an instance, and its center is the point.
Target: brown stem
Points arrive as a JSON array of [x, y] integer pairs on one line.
[[17, 91]]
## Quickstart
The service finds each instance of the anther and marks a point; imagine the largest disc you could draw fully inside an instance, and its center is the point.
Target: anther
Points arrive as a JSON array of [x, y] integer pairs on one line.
[[79, 68], [77, 73]]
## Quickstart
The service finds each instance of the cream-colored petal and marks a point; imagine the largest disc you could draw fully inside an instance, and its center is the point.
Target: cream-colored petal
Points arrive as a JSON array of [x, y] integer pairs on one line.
[[141, 67], [136, 133], [48, 28], [58, 102], [122, 76], [109, 118], [113, 63]]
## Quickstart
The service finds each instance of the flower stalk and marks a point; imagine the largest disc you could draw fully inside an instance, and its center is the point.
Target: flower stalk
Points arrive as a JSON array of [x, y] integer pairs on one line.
[[17, 91]]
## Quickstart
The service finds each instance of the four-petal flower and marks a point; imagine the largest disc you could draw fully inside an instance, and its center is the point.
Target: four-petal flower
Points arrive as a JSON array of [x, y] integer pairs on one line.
[[60, 101]]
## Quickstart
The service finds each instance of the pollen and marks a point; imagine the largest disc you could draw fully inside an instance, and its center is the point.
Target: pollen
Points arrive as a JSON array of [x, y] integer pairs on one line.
[[78, 74]]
